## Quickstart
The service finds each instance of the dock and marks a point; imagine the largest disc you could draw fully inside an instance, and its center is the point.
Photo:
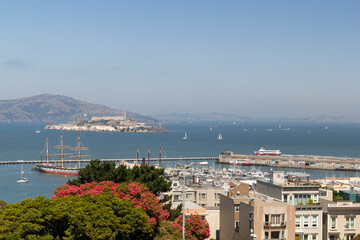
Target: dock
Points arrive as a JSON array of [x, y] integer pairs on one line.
[[114, 160], [295, 161]]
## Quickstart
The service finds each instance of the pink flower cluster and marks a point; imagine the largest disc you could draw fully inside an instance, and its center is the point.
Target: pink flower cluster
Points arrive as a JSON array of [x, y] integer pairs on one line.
[[134, 192], [196, 228]]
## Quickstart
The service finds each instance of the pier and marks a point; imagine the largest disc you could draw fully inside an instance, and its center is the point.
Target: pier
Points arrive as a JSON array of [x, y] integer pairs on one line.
[[285, 161], [295, 161], [114, 160]]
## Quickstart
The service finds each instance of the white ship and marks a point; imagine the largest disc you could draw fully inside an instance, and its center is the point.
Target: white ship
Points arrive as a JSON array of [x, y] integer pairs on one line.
[[263, 151]]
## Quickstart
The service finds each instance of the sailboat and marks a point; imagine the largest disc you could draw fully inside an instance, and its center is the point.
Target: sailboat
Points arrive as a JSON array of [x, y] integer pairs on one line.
[[48, 167], [219, 137], [210, 128], [22, 179], [185, 136]]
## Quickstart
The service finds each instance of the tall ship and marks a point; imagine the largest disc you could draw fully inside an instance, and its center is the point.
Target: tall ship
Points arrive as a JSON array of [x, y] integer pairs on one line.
[[57, 166], [263, 151]]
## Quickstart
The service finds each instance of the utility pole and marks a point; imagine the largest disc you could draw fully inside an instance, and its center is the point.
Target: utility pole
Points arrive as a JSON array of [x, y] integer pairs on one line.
[[160, 157], [137, 155], [149, 156]]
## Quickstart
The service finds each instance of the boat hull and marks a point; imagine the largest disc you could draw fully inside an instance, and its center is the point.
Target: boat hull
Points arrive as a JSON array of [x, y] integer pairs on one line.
[[57, 170]]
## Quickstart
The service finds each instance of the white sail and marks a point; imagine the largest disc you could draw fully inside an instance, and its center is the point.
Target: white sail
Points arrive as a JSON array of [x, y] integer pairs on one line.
[[185, 136], [219, 137]]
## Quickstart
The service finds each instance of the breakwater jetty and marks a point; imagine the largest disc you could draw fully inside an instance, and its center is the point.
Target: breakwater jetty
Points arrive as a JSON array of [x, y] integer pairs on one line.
[[295, 161]]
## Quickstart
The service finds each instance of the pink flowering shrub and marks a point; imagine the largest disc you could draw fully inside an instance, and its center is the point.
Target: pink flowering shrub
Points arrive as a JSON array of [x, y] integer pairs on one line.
[[134, 192], [196, 228]]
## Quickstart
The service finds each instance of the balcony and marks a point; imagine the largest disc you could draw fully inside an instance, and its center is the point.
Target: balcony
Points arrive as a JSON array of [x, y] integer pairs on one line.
[[282, 224]]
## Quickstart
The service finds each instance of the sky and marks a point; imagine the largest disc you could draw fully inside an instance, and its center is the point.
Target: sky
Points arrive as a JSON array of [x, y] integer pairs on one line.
[[249, 58]]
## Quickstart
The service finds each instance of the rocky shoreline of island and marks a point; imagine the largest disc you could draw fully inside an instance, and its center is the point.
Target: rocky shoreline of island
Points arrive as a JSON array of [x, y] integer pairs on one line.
[[107, 124]]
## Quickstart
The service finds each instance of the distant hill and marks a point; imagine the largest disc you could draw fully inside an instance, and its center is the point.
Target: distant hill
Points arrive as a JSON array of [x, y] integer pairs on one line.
[[232, 117], [55, 108]]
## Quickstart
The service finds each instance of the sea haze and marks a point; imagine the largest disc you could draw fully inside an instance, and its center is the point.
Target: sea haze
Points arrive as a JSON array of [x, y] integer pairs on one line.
[[18, 141]]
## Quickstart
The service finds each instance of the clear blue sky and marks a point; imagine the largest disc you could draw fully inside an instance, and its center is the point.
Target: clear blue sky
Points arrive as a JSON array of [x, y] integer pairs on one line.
[[251, 58]]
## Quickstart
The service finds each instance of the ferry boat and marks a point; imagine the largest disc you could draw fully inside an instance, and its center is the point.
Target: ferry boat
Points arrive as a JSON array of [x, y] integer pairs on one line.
[[263, 151], [59, 168]]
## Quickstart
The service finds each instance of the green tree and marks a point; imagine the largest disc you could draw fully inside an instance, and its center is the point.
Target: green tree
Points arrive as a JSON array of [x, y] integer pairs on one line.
[[98, 171], [174, 213], [2, 204], [75, 217], [336, 196]]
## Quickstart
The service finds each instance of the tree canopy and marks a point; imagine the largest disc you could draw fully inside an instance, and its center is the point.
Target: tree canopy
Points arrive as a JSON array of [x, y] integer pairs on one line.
[[75, 217], [98, 171], [104, 210]]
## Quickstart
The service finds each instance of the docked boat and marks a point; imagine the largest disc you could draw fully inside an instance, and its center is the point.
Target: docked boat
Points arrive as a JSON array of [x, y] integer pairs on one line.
[[58, 167], [241, 162], [263, 151]]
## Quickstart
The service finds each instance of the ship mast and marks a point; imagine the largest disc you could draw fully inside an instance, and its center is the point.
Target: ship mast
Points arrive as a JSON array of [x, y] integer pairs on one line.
[[62, 150], [78, 149], [47, 151]]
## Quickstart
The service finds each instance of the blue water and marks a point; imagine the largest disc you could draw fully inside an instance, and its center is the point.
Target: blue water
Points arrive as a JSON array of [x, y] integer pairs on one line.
[[19, 141]]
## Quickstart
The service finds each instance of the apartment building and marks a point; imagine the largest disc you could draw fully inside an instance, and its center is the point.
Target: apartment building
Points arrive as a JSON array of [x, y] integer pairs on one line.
[[294, 190], [206, 195], [343, 220], [309, 222], [246, 215]]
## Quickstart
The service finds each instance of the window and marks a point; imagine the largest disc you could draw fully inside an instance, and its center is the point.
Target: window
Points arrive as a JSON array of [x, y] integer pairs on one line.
[[217, 195], [333, 223], [314, 222], [349, 236], [275, 235], [189, 196], [314, 237], [306, 221], [286, 198], [202, 196], [275, 219], [350, 223], [298, 221], [236, 224], [177, 197], [306, 237], [301, 198], [237, 208], [266, 235], [266, 223]]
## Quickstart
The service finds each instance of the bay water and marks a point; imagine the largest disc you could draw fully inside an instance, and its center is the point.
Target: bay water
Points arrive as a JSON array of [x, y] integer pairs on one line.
[[19, 141]]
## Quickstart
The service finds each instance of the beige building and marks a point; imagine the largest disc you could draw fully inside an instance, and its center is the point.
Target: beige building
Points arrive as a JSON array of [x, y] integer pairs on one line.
[[343, 220], [245, 215], [309, 222], [206, 195]]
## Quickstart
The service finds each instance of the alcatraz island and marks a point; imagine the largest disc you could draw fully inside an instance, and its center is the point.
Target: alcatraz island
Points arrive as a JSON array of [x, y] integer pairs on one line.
[[107, 124]]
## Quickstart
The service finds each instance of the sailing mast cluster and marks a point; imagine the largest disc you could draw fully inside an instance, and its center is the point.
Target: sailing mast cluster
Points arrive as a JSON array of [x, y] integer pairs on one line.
[[56, 167]]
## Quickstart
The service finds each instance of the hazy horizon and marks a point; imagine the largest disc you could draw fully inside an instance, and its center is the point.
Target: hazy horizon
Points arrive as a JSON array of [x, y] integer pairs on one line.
[[255, 59]]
